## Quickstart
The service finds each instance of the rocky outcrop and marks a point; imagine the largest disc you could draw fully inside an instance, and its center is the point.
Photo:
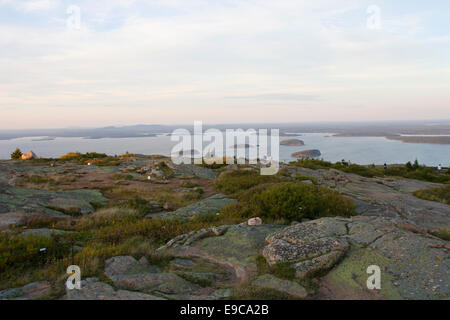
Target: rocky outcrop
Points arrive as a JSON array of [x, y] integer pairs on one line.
[[93, 289], [209, 205], [384, 197], [191, 171], [31, 291], [414, 265], [28, 202], [310, 247], [182, 279], [234, 247], [129, 274]]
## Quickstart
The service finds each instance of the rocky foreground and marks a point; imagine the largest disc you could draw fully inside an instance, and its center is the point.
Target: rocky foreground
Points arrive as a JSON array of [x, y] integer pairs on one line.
[[326, 258]]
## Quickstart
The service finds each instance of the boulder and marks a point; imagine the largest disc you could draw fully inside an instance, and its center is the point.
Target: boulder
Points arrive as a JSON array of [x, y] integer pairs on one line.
[[310, 247]]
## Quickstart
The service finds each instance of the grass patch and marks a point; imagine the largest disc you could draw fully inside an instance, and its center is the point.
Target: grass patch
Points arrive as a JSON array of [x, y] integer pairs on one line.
[[72, 211], [235, 181], [441, 233], [168, 172], [437, 194], [122, 176], [106, 233], [157, 193]]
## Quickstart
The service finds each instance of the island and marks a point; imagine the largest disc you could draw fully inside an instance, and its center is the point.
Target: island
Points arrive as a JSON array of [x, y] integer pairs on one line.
[[292, 143], [307, 154]]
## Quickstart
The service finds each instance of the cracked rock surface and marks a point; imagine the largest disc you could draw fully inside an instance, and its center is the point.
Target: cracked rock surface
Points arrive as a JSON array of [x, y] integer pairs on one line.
[[413, 265]]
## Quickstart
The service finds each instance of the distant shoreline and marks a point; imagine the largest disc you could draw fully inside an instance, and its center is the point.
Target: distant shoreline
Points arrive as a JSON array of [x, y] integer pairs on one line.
[[441, 140]]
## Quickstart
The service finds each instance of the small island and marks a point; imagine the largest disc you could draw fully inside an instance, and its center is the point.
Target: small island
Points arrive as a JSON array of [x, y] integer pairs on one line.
[[307, 154], [292, 143]]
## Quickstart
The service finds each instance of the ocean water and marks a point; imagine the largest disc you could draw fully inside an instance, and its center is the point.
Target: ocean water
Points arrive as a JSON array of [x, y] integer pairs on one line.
[[361, 150]]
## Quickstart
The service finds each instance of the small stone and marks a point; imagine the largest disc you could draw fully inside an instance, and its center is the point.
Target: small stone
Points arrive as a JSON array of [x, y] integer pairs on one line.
[[254, 221]]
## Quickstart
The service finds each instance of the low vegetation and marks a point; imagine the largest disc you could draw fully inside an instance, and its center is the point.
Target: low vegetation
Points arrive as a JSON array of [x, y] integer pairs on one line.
[[409, 170], [16, 155], [441, 233], [106, 233], [94, 158], [231, 182], [290, 201], [436, 194], [168, 172]]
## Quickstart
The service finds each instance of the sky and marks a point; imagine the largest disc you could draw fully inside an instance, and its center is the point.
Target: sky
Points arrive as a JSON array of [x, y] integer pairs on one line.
[[97, 63]]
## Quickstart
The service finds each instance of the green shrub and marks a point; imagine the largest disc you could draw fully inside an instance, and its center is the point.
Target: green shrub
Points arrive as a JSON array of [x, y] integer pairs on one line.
[[291, 201], [140, 205], [24, 250], [16, 155], [168, 172], [234, 181], [214, 165], [437, 194], [81, 156]]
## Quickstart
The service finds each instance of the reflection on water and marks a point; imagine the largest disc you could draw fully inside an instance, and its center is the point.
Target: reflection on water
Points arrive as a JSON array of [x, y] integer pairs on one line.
[[362, 150]]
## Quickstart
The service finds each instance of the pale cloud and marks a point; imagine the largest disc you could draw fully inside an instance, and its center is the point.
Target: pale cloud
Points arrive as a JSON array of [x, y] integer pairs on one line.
[[178, 61], [31, 5]]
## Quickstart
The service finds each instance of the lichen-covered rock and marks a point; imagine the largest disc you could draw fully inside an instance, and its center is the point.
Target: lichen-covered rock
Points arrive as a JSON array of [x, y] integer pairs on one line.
[[161, 282], [188, 238], [237, 248], [27, 202], [129, 274], [209, 205], [190, 170], [31, 291], [291, 288], [311, 247], [413, 264], [93, 289], [127, 265], [204, 294]]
